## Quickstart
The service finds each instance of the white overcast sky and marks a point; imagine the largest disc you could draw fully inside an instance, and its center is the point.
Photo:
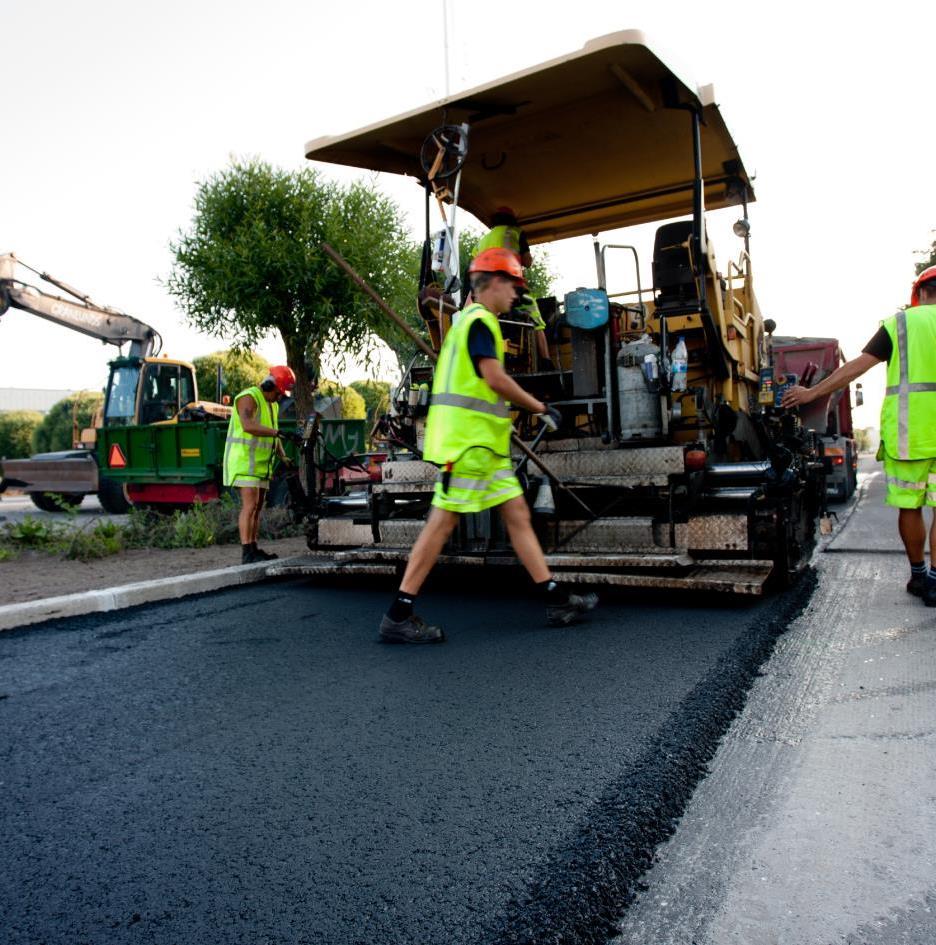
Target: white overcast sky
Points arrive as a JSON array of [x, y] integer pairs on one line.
[[116, 109]]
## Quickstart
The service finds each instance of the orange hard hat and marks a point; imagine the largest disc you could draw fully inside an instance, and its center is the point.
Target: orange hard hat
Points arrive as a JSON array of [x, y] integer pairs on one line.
[[927, 275], [501, 260], [283, 377]]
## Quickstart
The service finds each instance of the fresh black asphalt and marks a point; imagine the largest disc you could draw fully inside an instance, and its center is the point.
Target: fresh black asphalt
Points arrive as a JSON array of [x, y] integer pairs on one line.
[[253, 767]]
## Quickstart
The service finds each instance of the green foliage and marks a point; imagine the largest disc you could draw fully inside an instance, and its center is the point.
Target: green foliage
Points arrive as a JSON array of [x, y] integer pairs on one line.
[[203, 525], [929, 258], [241, 369], [16, 432], [103, 539], [65, 421], [353, 405], [376, 396], [32, 532], [251, 262]]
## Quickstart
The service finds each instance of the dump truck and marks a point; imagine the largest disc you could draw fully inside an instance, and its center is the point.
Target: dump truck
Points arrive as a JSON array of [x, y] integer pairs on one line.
[[674, 465], [813, 360]]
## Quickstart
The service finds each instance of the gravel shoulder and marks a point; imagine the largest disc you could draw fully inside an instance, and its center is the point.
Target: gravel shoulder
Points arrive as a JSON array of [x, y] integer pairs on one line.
[[35, 576]]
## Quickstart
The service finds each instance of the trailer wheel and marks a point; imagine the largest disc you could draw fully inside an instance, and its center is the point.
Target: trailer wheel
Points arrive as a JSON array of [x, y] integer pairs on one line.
[[112, 497], [53, 501]]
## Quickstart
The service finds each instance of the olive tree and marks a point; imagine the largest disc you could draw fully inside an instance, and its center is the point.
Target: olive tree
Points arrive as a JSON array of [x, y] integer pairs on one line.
[[251, 262]]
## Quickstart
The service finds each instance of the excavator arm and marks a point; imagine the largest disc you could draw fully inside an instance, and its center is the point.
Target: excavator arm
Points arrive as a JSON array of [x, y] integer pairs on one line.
[[109, 325]]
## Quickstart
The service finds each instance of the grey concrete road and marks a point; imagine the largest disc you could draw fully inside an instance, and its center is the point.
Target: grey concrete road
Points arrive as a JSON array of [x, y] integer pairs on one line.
[[254, 767], [14, 508], [817, 824]]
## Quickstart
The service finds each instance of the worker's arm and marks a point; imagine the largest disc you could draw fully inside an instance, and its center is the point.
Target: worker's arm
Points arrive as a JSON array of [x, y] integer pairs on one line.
[[839, 378], [247, 409], [502, 383]]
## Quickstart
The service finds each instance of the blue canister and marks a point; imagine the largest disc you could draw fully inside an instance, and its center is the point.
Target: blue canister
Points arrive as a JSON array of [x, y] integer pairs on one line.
[[586, 308]]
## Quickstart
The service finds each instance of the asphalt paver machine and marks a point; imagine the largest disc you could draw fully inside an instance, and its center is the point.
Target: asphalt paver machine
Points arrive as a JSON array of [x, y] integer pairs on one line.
[[675, 466]]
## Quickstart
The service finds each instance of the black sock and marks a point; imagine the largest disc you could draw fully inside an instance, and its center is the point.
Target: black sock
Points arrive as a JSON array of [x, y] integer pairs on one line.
[[918, 567], [553, 592], [402, 607]]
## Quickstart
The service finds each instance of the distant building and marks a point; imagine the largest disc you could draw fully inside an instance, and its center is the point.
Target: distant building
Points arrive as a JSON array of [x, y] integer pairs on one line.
[[30, 398]]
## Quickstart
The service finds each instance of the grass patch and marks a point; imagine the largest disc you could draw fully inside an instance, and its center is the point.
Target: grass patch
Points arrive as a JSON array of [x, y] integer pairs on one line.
[[203, 525]]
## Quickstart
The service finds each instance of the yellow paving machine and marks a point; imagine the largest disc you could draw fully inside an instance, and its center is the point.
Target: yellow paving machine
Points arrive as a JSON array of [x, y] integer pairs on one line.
[[675, 466]]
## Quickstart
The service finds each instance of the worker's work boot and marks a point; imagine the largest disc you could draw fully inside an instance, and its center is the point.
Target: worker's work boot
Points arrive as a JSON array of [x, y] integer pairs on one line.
[[917, 584], [248, 555], [561, 615], [929, 593], [412, 629], [261, 555]]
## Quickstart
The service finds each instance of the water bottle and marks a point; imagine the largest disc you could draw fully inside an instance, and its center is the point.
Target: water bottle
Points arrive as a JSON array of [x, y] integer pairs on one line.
[[680, 361]]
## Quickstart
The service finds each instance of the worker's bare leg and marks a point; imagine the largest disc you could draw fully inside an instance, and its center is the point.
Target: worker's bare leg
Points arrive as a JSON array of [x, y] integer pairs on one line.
[[255, 528], [932, 539], [427, 549], [912, 530], [249, 518], [516, 515]]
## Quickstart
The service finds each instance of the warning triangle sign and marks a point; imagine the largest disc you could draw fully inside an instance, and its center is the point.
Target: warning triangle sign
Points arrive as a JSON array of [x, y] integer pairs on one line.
[[116, 458]]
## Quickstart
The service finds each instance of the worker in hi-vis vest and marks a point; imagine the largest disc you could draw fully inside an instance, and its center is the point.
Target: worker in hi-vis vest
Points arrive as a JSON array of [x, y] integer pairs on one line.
[[468, 433], [907, 342], [252, 446], [505, 233]]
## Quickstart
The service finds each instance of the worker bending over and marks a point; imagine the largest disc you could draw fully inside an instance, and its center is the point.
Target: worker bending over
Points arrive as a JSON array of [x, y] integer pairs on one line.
[[505, 233], [907, 342], [468, 435], [253, 441]]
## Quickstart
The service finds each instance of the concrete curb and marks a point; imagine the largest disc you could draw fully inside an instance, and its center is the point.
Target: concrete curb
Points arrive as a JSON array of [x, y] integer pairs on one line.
[[130, 595]]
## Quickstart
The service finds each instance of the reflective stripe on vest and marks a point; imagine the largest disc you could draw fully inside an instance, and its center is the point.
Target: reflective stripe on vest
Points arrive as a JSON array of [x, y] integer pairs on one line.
[[464, 411], [908, 422], [246, 455]]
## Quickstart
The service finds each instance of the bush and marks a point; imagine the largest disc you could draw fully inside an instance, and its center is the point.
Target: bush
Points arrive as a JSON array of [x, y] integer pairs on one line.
[[16, 432], [65, 421], [376, 396], [352, 403], [241, 369]]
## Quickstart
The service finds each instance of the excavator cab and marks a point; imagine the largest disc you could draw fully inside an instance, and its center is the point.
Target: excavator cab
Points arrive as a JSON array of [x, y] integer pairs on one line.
[[147, 390]]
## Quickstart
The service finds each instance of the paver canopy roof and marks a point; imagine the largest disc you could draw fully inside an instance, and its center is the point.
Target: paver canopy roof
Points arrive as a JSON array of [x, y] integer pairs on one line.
[[584, 143]]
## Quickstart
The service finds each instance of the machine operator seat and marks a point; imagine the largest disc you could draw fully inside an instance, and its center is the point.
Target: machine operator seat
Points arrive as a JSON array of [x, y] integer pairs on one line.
[[672, 269]]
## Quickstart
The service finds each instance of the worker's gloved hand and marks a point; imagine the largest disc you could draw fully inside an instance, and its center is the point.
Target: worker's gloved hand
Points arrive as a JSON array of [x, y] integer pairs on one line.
[[551, 419], [289, 436]]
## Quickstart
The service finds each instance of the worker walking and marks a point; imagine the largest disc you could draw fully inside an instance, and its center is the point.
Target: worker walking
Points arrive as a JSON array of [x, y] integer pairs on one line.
[[468, 435], [907, 342], [505, 233], [253, 441]]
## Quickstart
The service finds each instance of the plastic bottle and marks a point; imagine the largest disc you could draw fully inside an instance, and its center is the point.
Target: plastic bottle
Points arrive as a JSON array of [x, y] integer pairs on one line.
[[680, 361]]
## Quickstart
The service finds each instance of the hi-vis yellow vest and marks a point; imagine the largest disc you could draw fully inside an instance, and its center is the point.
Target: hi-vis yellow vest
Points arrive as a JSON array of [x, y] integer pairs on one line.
[[908, 414], [249, 459], [464, 411], [506, 237]]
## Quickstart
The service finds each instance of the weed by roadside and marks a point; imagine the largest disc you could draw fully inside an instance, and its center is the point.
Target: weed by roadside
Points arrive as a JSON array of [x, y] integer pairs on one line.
[[212, 523]]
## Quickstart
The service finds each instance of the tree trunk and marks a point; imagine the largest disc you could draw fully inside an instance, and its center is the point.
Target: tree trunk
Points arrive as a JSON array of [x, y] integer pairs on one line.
[[296, 358]]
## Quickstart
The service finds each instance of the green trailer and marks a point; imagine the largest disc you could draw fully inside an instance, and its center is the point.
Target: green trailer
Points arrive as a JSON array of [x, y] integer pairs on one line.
[[176, 464]]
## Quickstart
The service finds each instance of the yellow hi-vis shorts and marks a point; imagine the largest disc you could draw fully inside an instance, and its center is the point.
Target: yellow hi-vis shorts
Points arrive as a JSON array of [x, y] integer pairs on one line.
[[911, 483], [479, 480]]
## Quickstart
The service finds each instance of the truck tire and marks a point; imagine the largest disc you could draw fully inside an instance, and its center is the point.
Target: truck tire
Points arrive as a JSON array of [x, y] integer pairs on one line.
[[53, 501], [112, 497]]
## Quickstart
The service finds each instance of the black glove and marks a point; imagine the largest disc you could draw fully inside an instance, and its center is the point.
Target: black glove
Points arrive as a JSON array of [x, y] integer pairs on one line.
[[289, 436], [551, 419]]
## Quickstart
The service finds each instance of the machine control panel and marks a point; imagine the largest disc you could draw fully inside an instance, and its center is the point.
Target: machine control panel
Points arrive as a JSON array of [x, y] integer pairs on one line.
[[773, 387]]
